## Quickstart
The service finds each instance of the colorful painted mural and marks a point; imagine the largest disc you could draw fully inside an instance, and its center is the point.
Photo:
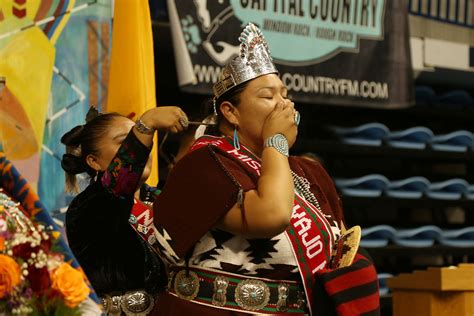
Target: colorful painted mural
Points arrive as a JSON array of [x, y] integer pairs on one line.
[[54, 56]]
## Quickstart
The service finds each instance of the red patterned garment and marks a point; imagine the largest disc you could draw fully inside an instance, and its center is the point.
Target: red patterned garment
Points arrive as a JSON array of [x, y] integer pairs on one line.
[[203, 186]]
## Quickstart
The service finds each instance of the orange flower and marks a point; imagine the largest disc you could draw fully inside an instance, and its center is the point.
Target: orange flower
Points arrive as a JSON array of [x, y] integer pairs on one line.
[[2, 243], [10, 275], [71, 284]]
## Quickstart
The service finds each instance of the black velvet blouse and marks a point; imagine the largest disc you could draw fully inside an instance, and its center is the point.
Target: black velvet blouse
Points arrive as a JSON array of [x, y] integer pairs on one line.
[[112, 254]]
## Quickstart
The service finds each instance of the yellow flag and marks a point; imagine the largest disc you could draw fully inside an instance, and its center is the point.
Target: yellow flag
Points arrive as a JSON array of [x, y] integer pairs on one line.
[[131, 89]]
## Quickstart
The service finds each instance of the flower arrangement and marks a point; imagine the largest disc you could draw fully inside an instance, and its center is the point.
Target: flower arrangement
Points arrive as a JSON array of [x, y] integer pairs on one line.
[[34, 279]]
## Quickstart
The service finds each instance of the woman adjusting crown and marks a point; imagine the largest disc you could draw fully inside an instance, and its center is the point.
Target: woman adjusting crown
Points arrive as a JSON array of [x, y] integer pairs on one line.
[[246, 229]]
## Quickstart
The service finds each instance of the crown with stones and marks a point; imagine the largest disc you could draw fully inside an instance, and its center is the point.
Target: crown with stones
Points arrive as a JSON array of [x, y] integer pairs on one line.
[[254, 60]]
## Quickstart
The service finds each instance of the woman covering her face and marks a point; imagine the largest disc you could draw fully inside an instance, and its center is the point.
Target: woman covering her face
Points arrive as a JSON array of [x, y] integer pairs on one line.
[[244, 228], [109, 225]]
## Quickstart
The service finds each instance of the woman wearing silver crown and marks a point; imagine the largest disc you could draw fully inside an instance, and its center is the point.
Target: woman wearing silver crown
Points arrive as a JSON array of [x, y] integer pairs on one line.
[[246, 229]]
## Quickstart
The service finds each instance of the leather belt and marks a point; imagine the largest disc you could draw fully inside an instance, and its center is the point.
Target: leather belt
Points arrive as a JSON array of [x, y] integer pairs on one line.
[[237, 292], [132, 303]]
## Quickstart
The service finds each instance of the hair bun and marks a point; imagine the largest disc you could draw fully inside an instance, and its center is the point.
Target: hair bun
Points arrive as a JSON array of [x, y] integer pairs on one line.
[[73, 137], [92, 114], [72, 164]]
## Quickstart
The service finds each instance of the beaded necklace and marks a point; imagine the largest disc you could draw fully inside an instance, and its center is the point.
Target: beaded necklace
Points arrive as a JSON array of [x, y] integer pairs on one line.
[[302, 186]]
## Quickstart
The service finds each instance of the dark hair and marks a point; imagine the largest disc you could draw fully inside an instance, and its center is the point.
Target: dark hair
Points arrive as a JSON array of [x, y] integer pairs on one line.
[[81, 141], [232, 96]]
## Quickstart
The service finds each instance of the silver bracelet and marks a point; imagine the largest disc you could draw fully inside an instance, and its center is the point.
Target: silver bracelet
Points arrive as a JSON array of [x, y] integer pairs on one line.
[[279, 142], [142, 128]]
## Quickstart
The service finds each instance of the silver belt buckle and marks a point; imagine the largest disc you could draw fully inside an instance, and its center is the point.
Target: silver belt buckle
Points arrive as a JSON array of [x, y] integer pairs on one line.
[[132, 303], [252, 295], [137, 303]]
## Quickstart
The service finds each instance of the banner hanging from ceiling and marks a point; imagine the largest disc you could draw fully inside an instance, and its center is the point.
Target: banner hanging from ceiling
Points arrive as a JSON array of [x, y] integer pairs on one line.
[[342, 52]]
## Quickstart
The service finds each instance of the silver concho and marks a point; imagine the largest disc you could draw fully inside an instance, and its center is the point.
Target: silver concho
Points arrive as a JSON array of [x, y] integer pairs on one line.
[[114, 306], [132, 220], [105, 302], [252, 295], [137, 303], [220, 291], [186, 286], [283, 292], [142, 229], [301, 301], [151, 239]]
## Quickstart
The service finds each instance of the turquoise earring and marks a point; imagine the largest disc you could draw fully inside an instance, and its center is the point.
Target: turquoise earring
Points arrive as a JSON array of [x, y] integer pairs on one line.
[[236, 139]]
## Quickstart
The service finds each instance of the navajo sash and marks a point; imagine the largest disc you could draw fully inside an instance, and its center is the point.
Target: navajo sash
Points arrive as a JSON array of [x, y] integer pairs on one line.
[[309, 231], [141, 220]]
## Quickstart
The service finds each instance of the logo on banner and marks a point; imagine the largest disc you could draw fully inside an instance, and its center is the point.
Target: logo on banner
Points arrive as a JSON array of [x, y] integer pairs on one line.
[[316, 29]]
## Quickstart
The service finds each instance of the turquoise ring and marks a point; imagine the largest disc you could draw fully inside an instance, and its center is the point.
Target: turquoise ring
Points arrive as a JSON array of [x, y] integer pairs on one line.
[[297, 118]]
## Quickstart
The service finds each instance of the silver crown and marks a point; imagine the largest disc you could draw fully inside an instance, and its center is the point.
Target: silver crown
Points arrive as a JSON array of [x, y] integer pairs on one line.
[[253, 61]]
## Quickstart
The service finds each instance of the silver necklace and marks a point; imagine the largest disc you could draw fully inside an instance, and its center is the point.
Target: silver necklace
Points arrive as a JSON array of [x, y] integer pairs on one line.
[[303, 187]]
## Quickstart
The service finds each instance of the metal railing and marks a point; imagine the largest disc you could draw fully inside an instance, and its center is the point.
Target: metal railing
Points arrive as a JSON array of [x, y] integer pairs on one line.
[[458, 12]]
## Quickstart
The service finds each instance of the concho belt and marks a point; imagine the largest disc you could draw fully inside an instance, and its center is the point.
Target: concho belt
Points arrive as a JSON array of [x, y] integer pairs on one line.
[[237, 292], [132, 303]]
